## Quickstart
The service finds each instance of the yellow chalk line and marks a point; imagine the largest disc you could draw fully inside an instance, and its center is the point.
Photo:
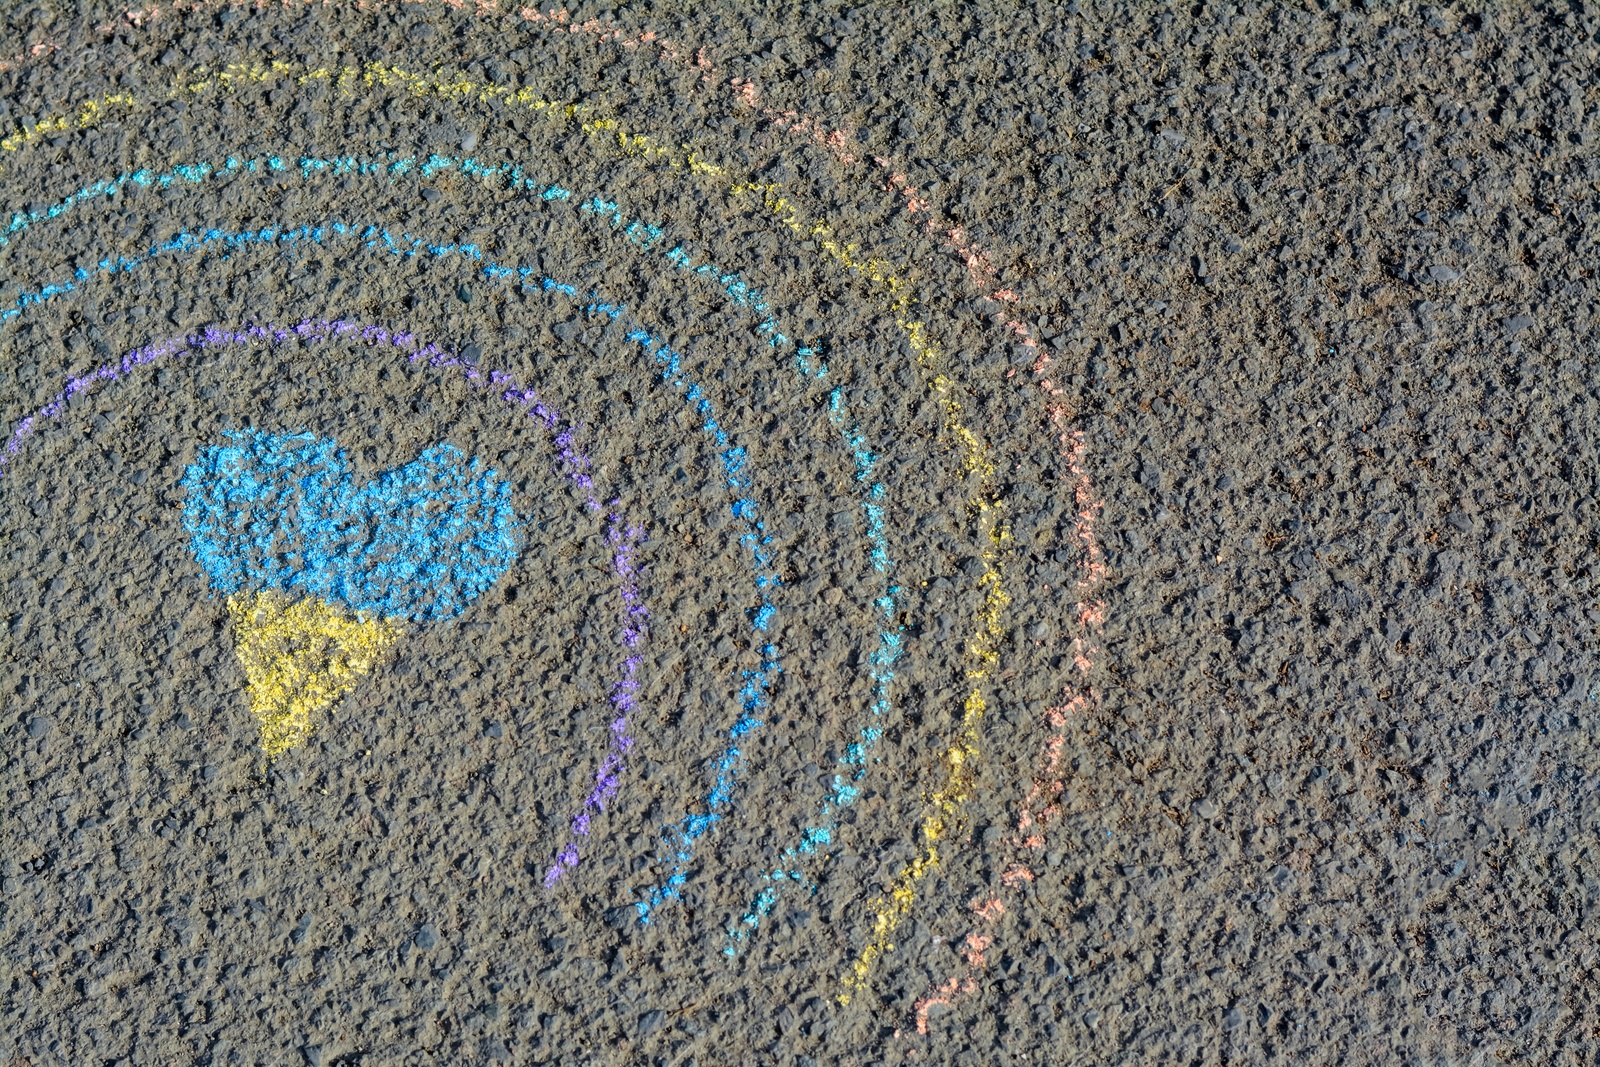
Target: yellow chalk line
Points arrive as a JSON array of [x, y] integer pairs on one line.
[[950, 798], [372, 75], [344, 79], [89, 113]]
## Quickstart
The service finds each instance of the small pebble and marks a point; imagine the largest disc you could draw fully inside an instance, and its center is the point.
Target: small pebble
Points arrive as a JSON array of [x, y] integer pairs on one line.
[[1517, 323]]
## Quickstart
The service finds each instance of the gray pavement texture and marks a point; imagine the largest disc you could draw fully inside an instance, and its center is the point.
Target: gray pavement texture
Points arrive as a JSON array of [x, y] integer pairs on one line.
[[1210, 394]]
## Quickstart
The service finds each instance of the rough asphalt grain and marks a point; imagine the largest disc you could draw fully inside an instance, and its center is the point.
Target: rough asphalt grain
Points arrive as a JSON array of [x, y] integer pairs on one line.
[[1223, 380]]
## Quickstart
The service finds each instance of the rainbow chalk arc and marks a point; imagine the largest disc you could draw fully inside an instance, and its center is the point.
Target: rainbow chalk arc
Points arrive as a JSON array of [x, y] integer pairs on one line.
[[313, 629], [681, 839]]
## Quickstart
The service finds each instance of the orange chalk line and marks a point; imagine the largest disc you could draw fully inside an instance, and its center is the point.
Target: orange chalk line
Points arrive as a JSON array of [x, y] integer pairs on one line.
[[1033, 820], [1091, 614], [42, 48], [974, 951]]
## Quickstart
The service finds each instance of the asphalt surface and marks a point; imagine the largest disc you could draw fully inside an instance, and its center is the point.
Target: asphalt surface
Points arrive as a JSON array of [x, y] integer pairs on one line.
[[822, 534]]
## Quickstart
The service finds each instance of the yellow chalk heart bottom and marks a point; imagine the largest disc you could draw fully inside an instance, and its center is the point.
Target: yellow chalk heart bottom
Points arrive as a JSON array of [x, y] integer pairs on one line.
[[299, 656]]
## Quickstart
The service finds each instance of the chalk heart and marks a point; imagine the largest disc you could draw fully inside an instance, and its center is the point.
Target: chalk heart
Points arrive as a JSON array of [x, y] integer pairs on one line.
[[323, 575]]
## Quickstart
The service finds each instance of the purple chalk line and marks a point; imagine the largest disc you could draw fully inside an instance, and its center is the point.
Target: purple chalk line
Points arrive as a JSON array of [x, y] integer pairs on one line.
[[623, 538], [609, 778]]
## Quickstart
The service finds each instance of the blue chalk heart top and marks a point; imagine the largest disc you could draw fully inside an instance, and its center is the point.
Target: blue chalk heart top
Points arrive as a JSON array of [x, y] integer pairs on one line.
[[283, 512]]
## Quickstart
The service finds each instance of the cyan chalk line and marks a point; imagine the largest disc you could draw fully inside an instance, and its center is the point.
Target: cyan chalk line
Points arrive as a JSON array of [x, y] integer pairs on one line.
[[854, 762]]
